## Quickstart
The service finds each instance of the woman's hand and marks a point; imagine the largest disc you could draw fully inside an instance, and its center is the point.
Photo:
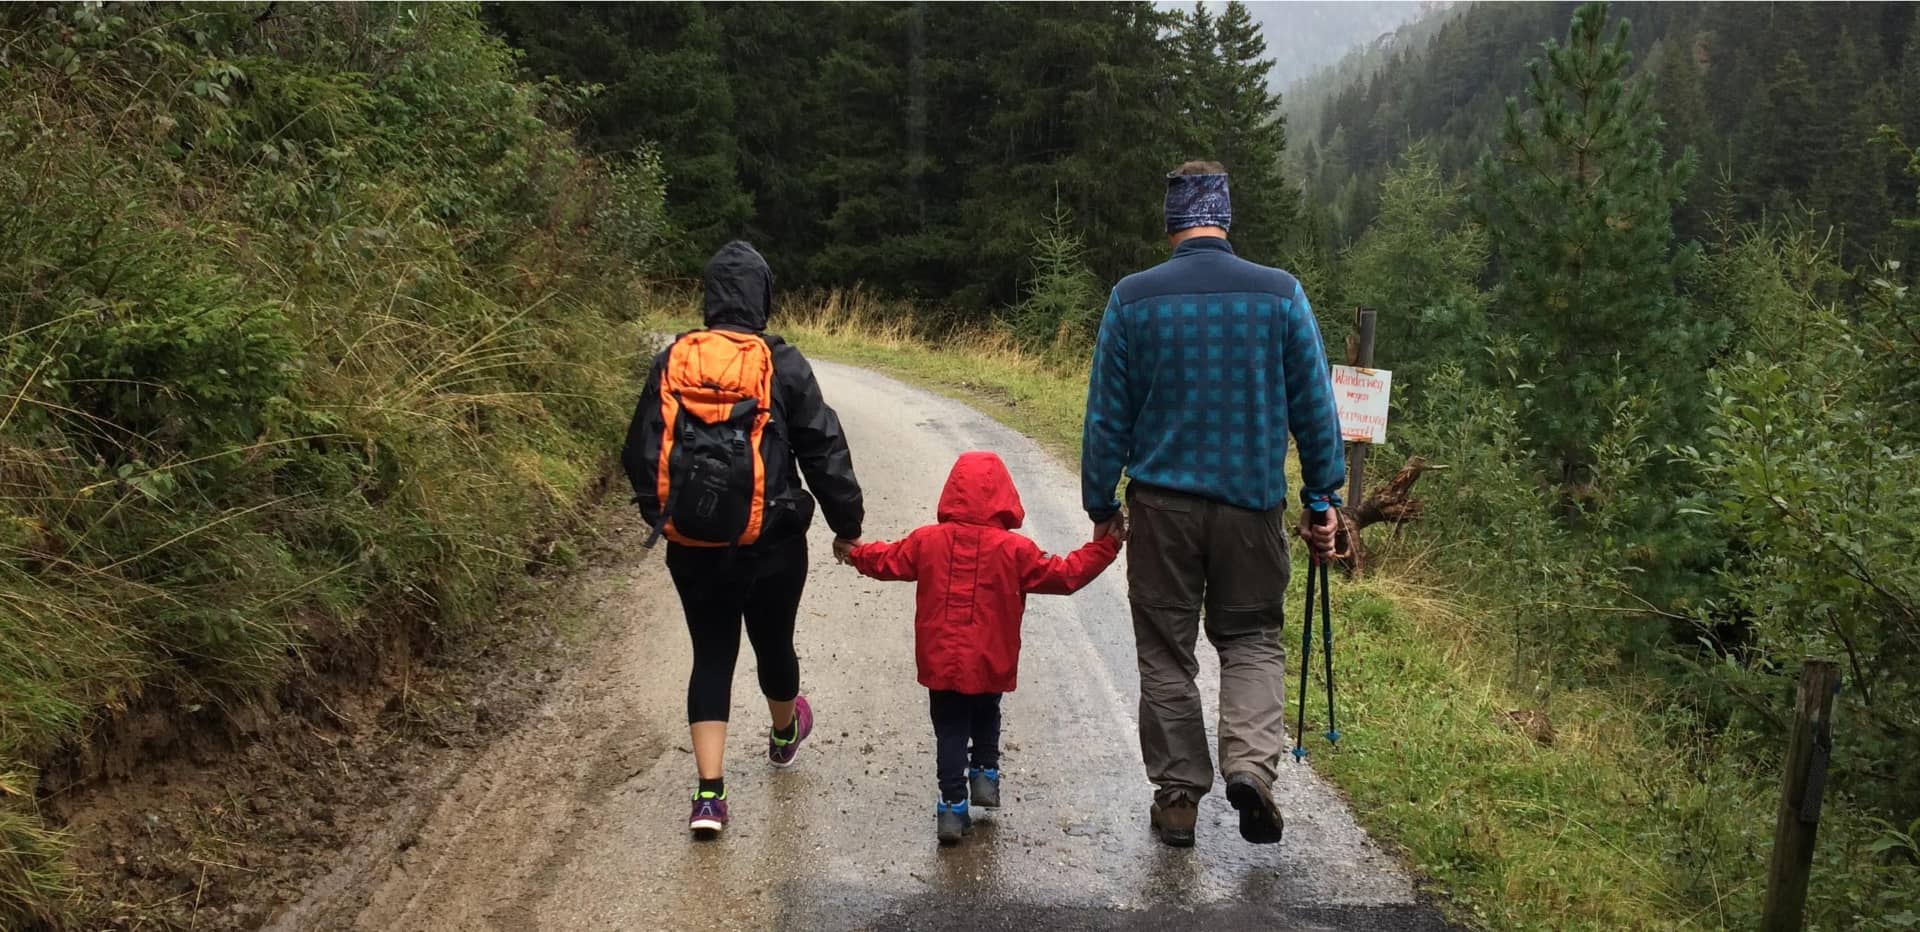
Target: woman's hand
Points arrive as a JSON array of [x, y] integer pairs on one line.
[[843, 549]]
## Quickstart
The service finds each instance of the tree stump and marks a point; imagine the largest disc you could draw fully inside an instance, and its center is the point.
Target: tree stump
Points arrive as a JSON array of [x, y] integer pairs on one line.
[[1392, 504]]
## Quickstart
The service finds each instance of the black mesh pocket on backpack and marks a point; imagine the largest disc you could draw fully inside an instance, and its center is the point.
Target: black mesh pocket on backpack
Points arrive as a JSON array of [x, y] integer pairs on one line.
[[711, 476]]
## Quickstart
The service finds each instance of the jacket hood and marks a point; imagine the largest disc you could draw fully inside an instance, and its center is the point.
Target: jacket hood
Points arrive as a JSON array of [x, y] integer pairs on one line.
[[738, 288], [980, 491]]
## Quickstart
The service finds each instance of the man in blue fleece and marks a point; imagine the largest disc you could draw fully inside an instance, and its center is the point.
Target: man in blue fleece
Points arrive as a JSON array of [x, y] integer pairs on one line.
[[1204, 363]]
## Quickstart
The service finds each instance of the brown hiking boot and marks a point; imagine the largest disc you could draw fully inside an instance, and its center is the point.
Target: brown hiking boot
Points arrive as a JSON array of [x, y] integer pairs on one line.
[[1173, 821], [1260, 821]]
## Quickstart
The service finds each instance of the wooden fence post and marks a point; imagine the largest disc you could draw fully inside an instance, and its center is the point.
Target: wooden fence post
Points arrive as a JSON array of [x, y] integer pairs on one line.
[[1801, 792]]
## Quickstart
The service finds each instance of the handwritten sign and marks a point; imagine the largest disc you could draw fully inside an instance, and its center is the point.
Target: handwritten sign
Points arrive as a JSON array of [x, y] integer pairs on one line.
[[1361, 396]]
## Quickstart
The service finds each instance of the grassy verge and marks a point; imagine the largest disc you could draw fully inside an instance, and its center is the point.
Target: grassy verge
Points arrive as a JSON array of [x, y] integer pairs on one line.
[[1526, 819], [1041, 399], [1598, 819]]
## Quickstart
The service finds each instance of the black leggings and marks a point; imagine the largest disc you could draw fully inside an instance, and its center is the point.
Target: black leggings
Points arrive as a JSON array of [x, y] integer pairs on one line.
[[959, 720], [718, 589]]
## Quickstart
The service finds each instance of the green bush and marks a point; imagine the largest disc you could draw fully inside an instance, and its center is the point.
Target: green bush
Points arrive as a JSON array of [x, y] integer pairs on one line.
[[313, 317], [1809, 466]]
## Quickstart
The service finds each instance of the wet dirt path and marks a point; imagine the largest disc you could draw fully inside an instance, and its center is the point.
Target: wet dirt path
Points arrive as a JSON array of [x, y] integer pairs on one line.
[[575, 822]]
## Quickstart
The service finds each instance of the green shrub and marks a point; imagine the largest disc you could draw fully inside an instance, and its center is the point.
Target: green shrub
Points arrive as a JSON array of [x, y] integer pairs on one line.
[[312, 319], [1809, 466]]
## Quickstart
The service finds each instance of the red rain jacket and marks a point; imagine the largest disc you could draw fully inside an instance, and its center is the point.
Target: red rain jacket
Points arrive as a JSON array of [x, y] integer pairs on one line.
[[974, 574]]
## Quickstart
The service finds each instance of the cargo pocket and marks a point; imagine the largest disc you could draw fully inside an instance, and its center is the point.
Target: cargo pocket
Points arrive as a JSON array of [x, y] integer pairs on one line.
[[1248, 572]]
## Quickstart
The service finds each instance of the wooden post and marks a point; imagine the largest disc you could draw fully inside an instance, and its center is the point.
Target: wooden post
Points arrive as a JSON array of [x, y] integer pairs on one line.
[[1800, 796], [1359, 353]]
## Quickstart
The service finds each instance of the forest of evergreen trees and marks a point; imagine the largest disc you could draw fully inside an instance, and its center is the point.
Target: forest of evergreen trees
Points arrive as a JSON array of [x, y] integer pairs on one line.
[[921, 148], [1780, 100]]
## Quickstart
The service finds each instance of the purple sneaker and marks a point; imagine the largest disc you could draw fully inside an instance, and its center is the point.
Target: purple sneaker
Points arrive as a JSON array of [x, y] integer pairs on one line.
[[781, 753], [709, 815]]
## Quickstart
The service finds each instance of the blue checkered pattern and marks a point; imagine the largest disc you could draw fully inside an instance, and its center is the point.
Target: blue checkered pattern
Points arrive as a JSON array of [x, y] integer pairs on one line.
[[1203, 364]]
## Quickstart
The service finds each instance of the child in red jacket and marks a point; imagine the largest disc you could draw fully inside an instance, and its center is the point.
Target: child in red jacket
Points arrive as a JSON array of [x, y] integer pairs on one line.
[[974, 574]]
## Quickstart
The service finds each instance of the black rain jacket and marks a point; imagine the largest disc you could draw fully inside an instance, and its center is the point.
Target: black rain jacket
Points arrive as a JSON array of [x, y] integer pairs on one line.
[[803, 437]]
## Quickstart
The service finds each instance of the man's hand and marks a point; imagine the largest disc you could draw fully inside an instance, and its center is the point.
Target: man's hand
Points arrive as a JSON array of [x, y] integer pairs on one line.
[[1114, 527], [843, 549], [1320, 529]]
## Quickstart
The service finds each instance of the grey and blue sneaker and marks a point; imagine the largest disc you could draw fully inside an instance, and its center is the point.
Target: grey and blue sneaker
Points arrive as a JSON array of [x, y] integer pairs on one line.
[[709, 816], [983, 787], [782, 753], [952, 821]]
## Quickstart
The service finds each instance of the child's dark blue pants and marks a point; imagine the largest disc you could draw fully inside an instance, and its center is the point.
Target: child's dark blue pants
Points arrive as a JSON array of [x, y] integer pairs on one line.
[[960, 719]]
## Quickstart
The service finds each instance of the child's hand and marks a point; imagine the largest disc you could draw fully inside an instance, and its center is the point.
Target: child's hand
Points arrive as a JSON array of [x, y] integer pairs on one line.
[[843, 549]]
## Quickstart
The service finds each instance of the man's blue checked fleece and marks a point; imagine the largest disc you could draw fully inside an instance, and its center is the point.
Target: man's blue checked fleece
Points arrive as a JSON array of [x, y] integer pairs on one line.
[[1201, 364]]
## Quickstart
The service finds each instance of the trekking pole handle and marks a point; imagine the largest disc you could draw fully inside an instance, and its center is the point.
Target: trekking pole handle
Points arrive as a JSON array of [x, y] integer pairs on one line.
[[1320, 517]]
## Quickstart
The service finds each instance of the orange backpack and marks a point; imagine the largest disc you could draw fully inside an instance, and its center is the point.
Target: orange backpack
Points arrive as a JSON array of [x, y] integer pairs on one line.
[[716, 396]]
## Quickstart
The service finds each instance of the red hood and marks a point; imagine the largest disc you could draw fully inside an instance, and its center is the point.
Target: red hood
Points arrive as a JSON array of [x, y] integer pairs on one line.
[[979, 491]]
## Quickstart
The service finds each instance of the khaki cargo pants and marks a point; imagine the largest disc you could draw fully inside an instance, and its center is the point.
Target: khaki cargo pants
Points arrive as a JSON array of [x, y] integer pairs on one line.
[[1188, 555]]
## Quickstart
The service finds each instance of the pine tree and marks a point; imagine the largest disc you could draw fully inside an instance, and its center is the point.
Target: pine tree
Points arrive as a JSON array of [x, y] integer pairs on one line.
[[869, 221], [1790, 156], [1197, 68], [780, 46], [1254, 139], [1420, 264], [1842, 83], [1750, 162], [1680, 95], [1730, 32], [1062, 299], [1910, 83], [662, 78], [1861, 204], [1578, 207]]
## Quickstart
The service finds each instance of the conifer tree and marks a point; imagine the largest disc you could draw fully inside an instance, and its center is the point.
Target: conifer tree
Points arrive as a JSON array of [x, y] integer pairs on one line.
[[1233, 116], [663, 81], [1255, 142], [1578, 207], [1750, 160], [1680, 95], [768, 46], [1421, 262], [1861, 204], [1792, 153], [1910, 83], [1197, 68]]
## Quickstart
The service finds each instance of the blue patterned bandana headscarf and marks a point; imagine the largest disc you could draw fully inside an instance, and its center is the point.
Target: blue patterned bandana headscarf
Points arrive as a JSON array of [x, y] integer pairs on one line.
[[1198, 201]]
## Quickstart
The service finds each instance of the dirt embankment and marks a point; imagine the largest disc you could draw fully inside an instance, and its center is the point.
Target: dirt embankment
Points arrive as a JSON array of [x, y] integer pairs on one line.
[[216, 817]]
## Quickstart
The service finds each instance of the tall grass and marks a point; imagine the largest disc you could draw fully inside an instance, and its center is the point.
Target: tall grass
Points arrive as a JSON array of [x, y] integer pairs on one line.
[[311, 321], [1032, 392]]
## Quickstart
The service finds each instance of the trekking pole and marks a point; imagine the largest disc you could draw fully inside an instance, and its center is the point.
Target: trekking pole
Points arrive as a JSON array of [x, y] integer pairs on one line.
[[1306, 652], [1326, 629]]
